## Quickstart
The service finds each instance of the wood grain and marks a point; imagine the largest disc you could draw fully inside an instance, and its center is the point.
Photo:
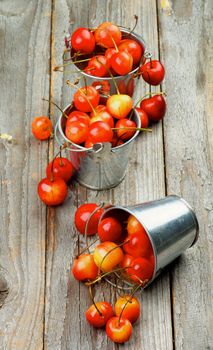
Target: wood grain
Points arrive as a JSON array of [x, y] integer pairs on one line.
[[186, 46], [66, 301], [24, 51]]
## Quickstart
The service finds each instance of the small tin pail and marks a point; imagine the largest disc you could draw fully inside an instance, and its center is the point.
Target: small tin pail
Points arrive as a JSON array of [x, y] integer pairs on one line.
[[126, 83], [100, 167], [170, 224]]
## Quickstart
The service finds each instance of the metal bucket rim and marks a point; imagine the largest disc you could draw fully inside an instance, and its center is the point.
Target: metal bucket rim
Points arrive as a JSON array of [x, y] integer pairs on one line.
[[84, 149], [138, 38], [147, 232]]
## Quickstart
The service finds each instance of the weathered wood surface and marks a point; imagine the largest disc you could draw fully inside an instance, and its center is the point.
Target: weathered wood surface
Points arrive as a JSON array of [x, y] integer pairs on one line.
[[42, 307]]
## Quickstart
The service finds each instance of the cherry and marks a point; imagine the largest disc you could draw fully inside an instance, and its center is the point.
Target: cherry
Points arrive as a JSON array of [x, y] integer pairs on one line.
[[122, 62], [119, 105], [153, 72], [126, 262], [118, 330], [103, 86], [133, 48], [134, 226], [85, 98], [141, 268], [77, 116], [88, 144], [60, 168], [103, 116], [97, 66], [82, 215], [129, 307], [100, 132], [109, 229], [155, 107], [123, 125], [107, 34], [107, 255], [84, 268], [76, 132], [143, 117], [109, 53], [137, 245], [98, 318], [42, 128], [83, 40], [99, 108], [52, 192]]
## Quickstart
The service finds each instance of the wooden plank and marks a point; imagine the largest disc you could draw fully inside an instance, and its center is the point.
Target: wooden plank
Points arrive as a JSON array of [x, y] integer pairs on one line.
[[24, 52], [66, 302], [187, 49]]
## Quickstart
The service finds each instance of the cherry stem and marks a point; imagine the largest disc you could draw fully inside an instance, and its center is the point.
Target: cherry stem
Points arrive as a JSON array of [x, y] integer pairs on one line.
[[87, 224], [110, 73], [52, 166], [114, 43], [60, 155], [64, 114], [133, 128], [85, 249], [93, 300], [135, 25], [71, 62], [129, 300], [80, 90], [99, 278]]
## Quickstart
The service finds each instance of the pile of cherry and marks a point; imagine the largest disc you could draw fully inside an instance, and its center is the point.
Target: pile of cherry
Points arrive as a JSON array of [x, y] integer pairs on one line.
[[125, 250]]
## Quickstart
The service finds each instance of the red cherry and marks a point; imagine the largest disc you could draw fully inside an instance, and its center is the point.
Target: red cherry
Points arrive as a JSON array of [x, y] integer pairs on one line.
[[137, 245], [84, 268], [83, 40], [77, 116], [118, 331], [126, 262], [52, 192], [42, 128], [62, 168], [100, 132], [97, 66], [143, 117], [142, 268], [129, 307], [99, 319], [109, 229], [153, 72], [109, 53], [124, 124], [155, 107], [133, 48], [76, 132], [107, 34], [82, 96], [119, 106], [122, 62], [82, 215]]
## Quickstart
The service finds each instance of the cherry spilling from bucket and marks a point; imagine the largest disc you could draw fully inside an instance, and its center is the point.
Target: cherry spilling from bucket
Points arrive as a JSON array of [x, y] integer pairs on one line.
[[125, 253]]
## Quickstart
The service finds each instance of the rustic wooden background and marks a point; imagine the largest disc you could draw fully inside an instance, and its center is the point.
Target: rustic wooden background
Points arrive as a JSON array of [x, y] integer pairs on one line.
[[41, 308]]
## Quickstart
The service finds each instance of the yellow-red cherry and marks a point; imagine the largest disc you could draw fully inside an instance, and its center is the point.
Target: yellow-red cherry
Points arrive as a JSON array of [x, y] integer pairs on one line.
[[42, 127], [78, 116], [107, 256], [107, 35], [133, 48], [129, 306], [119, 330], [84, 268], [98, 318], [119, 105], [76, 132], [121, 62], [52, 192]]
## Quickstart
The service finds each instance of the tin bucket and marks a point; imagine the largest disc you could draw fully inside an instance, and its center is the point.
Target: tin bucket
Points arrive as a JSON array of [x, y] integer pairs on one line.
[[100, 167], [170, 224], [126, 83]]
